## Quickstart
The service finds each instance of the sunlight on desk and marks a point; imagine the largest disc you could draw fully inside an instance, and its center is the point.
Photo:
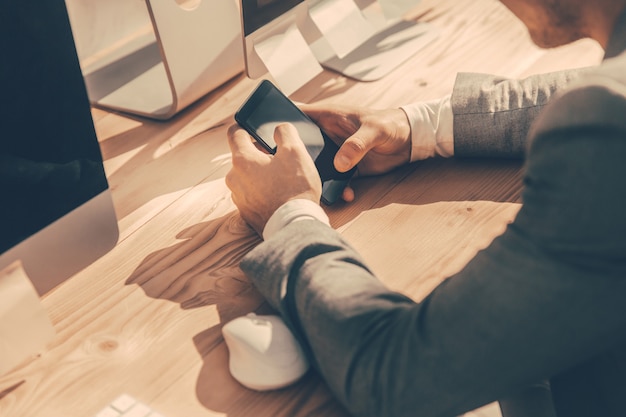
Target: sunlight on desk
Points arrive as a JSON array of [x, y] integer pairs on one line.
[[145, 319]]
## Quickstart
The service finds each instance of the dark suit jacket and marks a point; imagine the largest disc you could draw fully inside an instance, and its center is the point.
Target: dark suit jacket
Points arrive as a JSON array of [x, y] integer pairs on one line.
[[546, 296]]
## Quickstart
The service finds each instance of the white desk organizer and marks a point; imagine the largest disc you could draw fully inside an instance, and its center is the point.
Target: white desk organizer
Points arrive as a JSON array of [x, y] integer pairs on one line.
[[188, 53]]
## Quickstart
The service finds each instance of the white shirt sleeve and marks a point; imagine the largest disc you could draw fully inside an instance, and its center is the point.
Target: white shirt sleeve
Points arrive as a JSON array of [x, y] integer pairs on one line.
[[432, 129], [292, 211]]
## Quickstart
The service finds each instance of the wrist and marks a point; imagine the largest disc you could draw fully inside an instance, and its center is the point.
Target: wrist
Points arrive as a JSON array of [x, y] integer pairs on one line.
[[402, 125]]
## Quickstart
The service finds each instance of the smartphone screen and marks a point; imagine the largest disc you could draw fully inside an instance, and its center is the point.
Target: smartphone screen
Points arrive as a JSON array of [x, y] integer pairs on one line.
[[266, 108]]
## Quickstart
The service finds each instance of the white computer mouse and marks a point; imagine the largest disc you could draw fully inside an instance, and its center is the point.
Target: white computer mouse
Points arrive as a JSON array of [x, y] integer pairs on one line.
[[263, 353]]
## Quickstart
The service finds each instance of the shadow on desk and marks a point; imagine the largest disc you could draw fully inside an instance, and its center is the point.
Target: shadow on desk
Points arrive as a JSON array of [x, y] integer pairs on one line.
[[217, 390], [434, 180], [203, 270]]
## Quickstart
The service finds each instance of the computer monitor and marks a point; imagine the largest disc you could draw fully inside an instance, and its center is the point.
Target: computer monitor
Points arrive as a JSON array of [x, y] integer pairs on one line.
[[377, 43], [56, 211]]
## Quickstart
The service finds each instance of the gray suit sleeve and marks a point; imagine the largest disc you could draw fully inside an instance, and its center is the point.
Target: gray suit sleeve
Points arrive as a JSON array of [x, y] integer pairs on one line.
[[492, 115]]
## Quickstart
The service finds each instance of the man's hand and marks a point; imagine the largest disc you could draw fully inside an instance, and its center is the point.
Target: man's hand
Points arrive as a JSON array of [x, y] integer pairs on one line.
[[260, 183], [377, 140]]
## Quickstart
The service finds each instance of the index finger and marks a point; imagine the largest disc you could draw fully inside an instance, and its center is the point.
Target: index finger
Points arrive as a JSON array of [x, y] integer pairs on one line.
[[316, 111]]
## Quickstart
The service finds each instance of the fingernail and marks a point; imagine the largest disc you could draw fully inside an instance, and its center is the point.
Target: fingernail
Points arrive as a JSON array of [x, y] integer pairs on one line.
[[343, 161]]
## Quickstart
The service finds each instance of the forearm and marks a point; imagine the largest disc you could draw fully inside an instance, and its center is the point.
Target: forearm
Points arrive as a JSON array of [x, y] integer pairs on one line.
[[492, 115], [465, 345], [380, 352], [343, 315]]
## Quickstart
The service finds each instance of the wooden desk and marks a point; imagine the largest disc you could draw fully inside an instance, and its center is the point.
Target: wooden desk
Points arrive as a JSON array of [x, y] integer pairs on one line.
[[145, 319]]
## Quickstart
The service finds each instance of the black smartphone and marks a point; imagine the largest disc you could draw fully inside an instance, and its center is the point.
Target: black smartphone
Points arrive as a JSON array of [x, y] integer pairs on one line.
[[267, 107]]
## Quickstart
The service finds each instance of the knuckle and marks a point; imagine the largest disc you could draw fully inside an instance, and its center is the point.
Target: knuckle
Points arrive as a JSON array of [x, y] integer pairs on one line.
[[356, 145]]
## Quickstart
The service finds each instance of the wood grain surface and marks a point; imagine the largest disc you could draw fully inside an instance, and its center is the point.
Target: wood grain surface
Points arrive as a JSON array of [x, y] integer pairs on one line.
[[146, 319]]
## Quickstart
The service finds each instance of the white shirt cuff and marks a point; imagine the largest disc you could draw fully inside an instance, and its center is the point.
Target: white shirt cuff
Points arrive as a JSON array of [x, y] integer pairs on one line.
[[432, 128], [292, 211]]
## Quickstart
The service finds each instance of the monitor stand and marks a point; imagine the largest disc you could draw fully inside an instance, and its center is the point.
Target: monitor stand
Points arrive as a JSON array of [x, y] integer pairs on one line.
[[186, 53], [388, 48], [390, 43]]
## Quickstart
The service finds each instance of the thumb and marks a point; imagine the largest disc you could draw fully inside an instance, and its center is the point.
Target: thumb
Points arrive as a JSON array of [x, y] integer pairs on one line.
[[354, 149], [287, 137]]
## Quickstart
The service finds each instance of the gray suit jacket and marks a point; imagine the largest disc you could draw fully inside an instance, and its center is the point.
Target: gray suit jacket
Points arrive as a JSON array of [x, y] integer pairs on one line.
[[547, 295]]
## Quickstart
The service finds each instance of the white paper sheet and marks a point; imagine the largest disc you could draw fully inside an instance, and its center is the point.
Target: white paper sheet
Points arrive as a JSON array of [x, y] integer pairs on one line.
[[289, 59], [25, 328], [342, 24]]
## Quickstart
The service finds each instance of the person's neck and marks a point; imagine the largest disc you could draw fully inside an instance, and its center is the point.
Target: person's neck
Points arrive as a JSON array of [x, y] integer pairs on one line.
[[602, 20]]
